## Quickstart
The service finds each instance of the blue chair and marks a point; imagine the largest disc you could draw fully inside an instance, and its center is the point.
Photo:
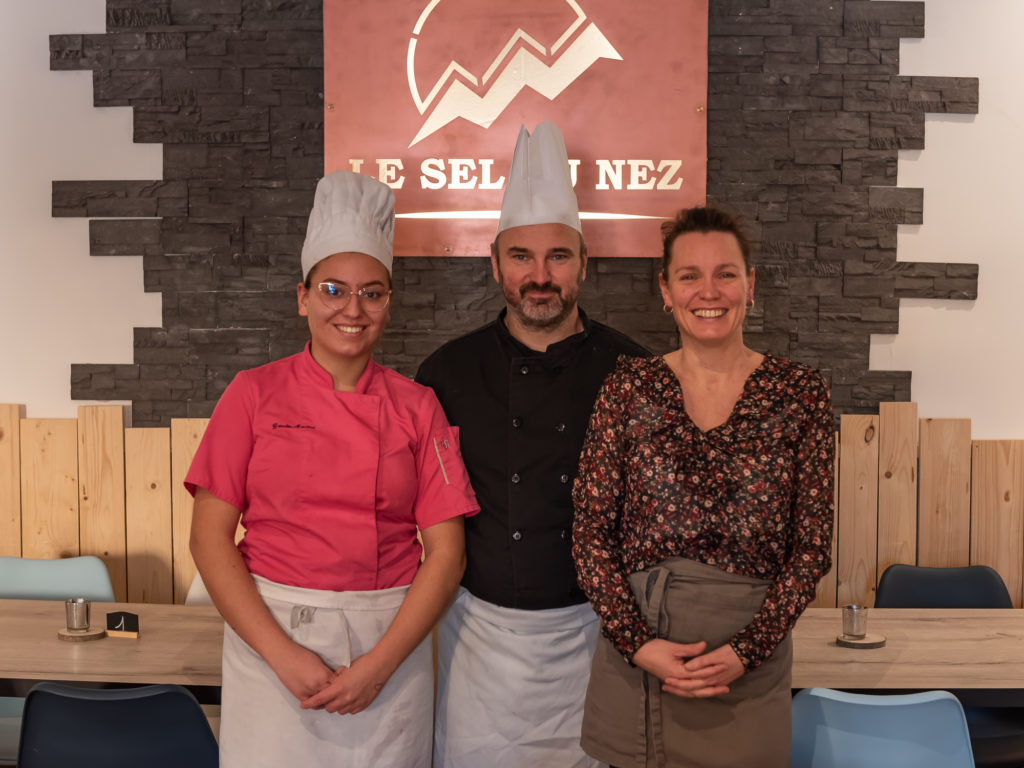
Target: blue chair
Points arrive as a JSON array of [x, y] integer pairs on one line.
[[28, 579], [995, 718], [10, 726], [157, 726], [23, 578], [835, 729]]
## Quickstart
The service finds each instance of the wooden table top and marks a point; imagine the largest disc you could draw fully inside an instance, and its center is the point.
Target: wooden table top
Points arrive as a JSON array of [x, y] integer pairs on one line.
[[177, 644], [182, 644], [925, 648]]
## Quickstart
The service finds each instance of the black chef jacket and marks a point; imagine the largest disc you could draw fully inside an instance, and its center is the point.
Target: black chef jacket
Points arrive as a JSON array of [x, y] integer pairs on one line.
[[522, 416]]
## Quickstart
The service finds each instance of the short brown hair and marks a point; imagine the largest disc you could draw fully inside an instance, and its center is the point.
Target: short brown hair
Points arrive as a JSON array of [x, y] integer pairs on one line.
[[704, 219]]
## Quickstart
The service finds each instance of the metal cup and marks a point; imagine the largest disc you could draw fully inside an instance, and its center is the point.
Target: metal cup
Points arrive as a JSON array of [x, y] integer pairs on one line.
[[76, 612], [855, 620]]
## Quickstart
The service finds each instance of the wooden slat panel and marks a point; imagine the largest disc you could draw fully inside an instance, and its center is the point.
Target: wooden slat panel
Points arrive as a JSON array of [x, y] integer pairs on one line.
[[997, 510], [897, 484], [10, 481], [944, 517], [858, 500], [825, 596], [185, 437], [148, 519], [101, 489], [49, 487]]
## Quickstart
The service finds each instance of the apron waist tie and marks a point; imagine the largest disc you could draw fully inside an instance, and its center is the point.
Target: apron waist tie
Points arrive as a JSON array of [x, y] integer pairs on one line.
[[653, 607]]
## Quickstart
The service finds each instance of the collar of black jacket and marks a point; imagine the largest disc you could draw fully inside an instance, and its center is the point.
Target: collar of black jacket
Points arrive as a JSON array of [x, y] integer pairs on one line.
[[559, 349]]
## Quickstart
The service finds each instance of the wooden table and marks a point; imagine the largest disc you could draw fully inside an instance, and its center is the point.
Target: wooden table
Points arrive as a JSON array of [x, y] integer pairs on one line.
[[182, 644], [177, 644], [925, 648]]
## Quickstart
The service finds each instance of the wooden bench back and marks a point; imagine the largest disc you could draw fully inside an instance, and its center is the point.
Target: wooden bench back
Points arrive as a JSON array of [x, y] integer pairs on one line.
[[908, 490]]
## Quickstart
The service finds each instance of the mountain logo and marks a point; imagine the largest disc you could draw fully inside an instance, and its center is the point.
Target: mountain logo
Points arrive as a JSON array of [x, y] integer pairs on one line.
[[544, 45]]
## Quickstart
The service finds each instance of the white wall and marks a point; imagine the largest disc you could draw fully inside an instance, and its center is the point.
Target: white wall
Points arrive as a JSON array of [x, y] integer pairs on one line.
[[58, 304], [967, 358]]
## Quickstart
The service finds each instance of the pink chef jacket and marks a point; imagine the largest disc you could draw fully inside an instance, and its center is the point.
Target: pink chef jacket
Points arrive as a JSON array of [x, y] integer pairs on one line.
[[332, 485]]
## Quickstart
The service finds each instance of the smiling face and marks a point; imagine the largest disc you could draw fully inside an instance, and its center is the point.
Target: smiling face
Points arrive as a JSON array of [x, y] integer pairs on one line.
[[708, 287], [540, 268], [348, 334]]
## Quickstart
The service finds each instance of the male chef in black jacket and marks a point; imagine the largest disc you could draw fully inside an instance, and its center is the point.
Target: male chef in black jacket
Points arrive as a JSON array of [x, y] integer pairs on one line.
[[514, 650]]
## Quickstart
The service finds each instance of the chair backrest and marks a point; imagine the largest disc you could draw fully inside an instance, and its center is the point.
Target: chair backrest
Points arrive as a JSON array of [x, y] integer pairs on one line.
[[914, 586], [156, 726], [197, 593], [28, 579], [835, 729]]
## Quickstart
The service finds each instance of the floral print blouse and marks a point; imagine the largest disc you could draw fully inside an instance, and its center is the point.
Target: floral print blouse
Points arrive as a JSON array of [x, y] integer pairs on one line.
[[752, 496]]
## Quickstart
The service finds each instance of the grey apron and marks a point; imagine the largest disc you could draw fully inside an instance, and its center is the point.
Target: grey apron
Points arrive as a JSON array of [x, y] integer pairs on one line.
[[629, 722]]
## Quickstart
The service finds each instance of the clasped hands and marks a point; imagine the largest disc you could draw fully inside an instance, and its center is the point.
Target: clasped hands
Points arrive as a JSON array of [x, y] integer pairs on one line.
[[347, 690], [686, 670]]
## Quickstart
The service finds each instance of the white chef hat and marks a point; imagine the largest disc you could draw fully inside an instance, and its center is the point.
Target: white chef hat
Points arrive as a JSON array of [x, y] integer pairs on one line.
[[539, 187], [351, 213]]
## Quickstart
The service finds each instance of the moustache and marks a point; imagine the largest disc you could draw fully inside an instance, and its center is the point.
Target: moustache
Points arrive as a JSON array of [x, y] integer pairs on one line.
[[540, 288]]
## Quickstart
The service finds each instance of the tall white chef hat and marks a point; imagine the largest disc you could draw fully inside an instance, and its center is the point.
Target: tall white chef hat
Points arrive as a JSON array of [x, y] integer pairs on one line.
[[539, 187], [351, 212]]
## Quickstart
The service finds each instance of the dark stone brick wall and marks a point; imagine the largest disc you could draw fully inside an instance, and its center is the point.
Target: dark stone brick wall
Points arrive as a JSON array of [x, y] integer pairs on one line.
[[806, 113]]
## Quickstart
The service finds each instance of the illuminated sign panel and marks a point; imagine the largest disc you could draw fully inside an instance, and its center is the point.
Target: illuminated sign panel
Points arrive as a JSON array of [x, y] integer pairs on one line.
[[428, 96]]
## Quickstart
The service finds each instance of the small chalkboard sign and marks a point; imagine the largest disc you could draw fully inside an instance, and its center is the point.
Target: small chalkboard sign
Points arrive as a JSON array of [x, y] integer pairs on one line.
[[122, 624]]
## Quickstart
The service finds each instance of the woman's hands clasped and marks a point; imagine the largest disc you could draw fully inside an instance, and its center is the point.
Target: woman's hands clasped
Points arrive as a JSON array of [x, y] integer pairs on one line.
[[686, 670], [301, 671], [352, 689], [344, 691]]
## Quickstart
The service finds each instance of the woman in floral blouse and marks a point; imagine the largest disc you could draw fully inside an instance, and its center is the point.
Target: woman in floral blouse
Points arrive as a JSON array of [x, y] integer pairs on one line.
[[703, 524]]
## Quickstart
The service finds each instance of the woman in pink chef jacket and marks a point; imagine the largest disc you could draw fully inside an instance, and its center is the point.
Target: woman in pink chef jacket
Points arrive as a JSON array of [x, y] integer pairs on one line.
[[333, 463]]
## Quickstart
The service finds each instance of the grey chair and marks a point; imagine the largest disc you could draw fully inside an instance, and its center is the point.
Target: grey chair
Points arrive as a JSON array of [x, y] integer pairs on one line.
[[995, 718], [915, 586]]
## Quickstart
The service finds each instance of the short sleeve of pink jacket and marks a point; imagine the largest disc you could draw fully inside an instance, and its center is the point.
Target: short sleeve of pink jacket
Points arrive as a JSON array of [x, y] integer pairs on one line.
[[332, 486]]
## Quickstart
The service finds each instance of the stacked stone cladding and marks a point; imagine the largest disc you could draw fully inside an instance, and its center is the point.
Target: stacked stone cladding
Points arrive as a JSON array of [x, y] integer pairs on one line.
[[806, 115]]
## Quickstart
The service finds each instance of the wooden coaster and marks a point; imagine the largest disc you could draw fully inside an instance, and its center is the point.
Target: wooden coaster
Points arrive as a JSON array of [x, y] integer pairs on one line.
[[81, 635], [868, 641]]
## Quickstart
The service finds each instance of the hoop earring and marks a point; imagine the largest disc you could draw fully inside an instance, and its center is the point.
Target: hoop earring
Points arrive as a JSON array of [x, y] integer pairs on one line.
[[750, 306], [666, 309]]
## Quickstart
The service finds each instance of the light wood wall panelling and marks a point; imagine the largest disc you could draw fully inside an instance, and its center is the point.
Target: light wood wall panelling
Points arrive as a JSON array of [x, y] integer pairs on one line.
[[897, 484], [825, 596], [148, 518], [185, 437], [858, 504], [10, 481], [101, 501], [944, 517], [997, 510], [49, 488]]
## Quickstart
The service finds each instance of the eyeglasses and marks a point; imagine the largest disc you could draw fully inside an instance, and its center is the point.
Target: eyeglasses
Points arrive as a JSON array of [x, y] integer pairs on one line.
[[337, 295]]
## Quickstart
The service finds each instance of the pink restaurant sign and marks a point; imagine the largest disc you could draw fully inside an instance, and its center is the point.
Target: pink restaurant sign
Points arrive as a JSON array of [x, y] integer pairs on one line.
[[428, 96]]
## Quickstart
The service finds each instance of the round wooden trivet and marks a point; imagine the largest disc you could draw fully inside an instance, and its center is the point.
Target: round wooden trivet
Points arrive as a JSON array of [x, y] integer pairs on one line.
[[868, 641], [81, 635]]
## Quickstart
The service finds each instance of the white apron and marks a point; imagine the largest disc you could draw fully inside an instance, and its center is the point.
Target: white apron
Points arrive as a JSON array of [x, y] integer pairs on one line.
[[511, 685], [262, 723]]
